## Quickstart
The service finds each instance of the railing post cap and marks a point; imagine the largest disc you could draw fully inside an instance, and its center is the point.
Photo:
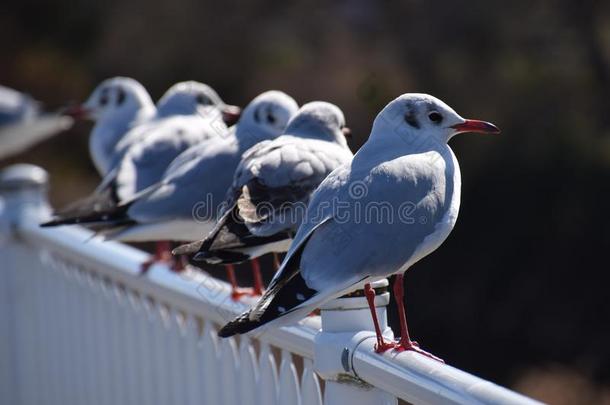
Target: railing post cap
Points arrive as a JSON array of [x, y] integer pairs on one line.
[[23, 176]]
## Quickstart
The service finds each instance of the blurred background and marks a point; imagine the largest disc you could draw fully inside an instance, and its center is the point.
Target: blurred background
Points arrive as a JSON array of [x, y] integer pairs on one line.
[[519, 293]]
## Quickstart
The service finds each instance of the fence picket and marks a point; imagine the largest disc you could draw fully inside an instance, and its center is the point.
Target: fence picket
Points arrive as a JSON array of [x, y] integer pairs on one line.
[[248, 370], [191, 363], [268, 377], [210, 360], [228, 366], [311, 394], [289, 383]]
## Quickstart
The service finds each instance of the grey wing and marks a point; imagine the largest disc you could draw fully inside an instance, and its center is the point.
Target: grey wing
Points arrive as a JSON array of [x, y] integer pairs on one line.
[[145, 162], [22, 123], [185, 159], [195, 190], [15, 106], [377, 232], [274, 185]]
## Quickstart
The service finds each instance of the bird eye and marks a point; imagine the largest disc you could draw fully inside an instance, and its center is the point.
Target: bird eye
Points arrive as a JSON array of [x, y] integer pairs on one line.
[[103, 100], [270, 118], [203, 100], [120, 98], [435, 117]]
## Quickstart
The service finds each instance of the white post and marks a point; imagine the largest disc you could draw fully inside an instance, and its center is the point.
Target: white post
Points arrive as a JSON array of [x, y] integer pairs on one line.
[[346, 323], [22, 198]]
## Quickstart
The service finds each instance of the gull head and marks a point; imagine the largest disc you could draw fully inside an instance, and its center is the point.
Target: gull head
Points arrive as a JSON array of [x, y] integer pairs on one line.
[[190, 98], [116, 98], [266, 116], [421, 117], [321, 120]]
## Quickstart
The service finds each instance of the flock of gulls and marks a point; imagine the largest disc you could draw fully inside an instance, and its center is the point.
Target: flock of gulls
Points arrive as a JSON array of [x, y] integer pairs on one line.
[[230, 185]]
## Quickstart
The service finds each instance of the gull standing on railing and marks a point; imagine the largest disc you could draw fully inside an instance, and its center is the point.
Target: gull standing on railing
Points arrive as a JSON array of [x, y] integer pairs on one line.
[[185, 203], [405, 166], [271, 188], [23, 124], [188, 114]]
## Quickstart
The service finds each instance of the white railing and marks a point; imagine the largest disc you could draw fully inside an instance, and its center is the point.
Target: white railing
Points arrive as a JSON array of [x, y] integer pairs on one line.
[[81, 327]]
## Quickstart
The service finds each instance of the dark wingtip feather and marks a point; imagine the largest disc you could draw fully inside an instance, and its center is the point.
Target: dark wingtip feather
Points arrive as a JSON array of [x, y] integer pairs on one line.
[[241, 324], [220, 257], [187, 248], [60, 221]]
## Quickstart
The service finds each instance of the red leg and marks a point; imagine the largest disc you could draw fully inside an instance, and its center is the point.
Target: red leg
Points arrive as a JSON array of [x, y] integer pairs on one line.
[[236, 292], [381, 345], [162, 254], [258, 278], [179, 264], [405, 342]]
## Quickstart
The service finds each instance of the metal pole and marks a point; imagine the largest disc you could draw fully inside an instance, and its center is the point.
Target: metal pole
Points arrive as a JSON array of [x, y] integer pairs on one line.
[[22, 198]]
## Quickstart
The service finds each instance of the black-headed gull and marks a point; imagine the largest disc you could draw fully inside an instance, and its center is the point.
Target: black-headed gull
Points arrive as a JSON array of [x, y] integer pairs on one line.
[[23, 124], [116, 105], [179, 107], [188, 113], [271, 188], [395, 203], [185, 203]]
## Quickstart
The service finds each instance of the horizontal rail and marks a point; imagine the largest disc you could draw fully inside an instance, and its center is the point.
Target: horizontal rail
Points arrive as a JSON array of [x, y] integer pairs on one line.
[[406, 375], [419, 379], [193, 292]]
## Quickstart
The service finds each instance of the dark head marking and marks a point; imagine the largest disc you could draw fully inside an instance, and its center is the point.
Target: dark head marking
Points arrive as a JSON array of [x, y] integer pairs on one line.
[[104, 96], [410, 118], [257, 117], [120, 99]]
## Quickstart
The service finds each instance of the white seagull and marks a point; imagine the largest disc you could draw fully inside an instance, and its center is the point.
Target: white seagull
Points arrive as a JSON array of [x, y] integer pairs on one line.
[[185, 203], [23, 124], [188, 114], [272, 186], [395, 203], [116, 105]]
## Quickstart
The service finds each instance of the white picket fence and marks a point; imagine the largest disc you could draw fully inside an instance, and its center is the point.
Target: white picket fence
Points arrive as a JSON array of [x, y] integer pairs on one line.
[[81, 327]]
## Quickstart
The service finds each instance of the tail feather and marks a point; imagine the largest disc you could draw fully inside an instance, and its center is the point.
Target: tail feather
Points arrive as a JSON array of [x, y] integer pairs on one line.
[[227, 239], [115, 216], [282, 297]]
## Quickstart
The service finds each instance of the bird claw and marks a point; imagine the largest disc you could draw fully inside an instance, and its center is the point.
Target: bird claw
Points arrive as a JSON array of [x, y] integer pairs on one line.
[[383, 346], [178, 264], [237, 293], [175, 264], [146, 265], [401, 346]]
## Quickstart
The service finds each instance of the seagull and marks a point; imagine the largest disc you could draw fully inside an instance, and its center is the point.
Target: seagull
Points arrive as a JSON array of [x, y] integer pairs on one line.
[[189, 113], [271, 188], [346, 242], [23, 124], [116, 105], [185, 203], [181, 107]]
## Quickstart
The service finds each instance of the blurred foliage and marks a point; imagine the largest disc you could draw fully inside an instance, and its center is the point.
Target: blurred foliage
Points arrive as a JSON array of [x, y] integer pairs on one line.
[[522, 283]]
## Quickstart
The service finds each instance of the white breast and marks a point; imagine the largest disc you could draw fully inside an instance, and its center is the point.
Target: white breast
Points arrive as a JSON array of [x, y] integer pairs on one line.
[[444, 227]]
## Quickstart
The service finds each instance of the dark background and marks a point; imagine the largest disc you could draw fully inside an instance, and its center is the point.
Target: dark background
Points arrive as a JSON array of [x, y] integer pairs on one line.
[[519, 292]]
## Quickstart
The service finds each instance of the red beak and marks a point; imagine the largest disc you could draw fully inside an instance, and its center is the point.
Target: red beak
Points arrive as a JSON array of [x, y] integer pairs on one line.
[[476, 126], [231, 114], [77, 112]]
